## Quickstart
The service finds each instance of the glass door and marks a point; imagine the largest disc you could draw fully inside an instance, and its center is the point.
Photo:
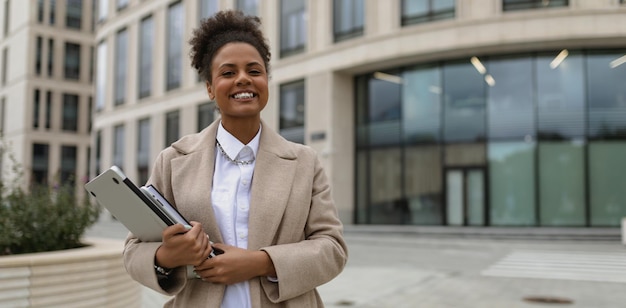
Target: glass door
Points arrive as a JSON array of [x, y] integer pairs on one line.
[[465, 197]]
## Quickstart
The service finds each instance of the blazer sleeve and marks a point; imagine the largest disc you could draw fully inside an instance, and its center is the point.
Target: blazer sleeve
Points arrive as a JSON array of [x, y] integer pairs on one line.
[[320, 257], [139, 256]]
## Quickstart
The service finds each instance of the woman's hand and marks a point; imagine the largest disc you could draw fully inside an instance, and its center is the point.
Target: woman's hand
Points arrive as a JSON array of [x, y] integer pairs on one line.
[[183, 247], [235, 265]]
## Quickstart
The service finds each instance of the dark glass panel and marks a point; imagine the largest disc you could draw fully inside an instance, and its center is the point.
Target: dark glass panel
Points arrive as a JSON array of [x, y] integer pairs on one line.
[[606, 89], [512, 183], [421, 105], [464, 103], [560, 96]]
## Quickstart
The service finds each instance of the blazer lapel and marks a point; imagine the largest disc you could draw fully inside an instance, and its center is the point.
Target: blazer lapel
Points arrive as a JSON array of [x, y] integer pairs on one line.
[[275, 169], [192, 179]]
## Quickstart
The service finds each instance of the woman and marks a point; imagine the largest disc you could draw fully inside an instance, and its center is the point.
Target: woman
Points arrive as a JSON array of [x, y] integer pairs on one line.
[[262, 200]]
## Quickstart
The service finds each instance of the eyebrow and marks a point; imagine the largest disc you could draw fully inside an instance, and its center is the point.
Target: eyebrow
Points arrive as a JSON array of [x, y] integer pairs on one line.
[[247, 65]]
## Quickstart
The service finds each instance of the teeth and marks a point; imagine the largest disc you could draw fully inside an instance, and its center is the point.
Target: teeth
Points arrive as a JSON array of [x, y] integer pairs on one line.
[[243, 95]]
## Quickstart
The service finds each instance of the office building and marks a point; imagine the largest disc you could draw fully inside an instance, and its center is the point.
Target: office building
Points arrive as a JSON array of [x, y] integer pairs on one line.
[[424, 112], [46, 52]]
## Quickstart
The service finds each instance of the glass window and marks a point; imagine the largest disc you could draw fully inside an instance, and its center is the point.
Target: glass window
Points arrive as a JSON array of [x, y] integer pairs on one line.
[[292, 109], [53, 8], [90, 114], [68, 165], [362, 201], [3, 120], [72, 61], [387, 204], [103, 9], [98, 153], [50, 57], [561, 184], [510, 99], [606, 182], [101, 75], [207, 8], [560, 96], [121, 63], [7, 14], [40, 12], [348, 18], [248, 7], [174, 45], [118, 146], [418, 11], [74, 14], [48, 109], [380, 111], [40, 163], [146, 42], [5, 65], [70, 112], [172, 127], [513, 5], [512, 183], [422, 185], [464, 103], [122, 4], [143, 149], [293, 27], [206, 115], [92, 59], [421, 105], [36, 107], [38, 55], [606, 88]]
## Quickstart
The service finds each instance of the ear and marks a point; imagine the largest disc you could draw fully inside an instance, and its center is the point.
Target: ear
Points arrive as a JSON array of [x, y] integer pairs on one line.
[[209, 91]]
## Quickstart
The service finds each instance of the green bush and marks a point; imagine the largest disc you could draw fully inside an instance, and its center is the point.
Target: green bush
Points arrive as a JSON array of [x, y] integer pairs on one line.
[[43, 219]]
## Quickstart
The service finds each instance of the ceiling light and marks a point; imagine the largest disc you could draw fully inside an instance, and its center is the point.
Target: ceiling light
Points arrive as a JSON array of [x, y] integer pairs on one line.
[[559, 58], [388, 77], [617, 62], [478, 65], [489, 80]]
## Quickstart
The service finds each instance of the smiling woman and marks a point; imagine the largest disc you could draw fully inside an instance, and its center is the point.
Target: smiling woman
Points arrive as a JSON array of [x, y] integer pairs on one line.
[[272, 227]]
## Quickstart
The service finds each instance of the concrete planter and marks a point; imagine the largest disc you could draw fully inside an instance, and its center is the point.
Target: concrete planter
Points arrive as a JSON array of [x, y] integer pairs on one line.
[[91, 276]]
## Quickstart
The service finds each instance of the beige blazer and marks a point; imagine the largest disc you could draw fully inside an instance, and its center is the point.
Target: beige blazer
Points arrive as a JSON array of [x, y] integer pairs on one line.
[[292, 217]]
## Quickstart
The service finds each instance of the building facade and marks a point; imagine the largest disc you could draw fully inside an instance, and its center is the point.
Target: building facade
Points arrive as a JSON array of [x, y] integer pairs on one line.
[[424, 112], [46, 90]]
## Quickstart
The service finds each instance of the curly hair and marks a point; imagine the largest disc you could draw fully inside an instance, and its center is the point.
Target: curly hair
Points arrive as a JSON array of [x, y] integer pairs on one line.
[[223, 28]]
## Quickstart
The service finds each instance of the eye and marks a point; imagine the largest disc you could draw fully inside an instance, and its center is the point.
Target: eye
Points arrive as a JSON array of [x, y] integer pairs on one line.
[[227, 73], [255, 72]]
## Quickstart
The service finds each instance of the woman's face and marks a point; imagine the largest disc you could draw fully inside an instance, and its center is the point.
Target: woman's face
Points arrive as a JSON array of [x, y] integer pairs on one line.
[[239, 81]]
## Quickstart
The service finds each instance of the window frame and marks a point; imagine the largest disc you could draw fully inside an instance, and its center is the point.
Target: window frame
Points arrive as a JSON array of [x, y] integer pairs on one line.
[[430, 16], [71, 72], [521, 5], [355, 30], [295, 133], [287, 31]]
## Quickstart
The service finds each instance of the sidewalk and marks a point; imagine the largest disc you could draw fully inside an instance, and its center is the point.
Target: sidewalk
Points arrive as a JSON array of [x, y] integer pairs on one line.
[[392, 267]]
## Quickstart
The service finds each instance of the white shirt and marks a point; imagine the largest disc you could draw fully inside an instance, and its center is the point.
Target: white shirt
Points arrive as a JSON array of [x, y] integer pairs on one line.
[[231, 202]]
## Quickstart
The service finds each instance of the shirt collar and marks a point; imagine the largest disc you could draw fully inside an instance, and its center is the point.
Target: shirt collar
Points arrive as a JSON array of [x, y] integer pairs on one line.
[[232, 146]]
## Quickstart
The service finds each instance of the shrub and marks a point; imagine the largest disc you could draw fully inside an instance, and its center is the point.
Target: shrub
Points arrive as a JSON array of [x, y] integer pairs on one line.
[[43, 219]]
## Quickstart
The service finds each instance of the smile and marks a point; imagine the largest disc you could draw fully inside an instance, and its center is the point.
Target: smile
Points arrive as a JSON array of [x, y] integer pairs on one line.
[[243, 95]]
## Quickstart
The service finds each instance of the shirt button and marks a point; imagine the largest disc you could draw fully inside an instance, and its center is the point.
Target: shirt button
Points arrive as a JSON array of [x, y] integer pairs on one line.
[[244, 182]]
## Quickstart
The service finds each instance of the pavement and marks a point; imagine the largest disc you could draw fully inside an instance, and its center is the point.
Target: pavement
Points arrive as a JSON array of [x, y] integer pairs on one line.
[[441, 267]]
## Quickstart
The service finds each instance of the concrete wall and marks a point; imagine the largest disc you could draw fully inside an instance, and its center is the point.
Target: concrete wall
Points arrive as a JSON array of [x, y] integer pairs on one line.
[[92, 276]]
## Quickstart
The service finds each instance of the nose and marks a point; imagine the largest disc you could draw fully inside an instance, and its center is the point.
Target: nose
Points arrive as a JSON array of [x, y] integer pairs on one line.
[[243, 79]]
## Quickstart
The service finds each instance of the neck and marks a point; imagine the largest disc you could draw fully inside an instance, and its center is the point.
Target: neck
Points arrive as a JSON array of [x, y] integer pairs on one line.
[[242, 129]]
